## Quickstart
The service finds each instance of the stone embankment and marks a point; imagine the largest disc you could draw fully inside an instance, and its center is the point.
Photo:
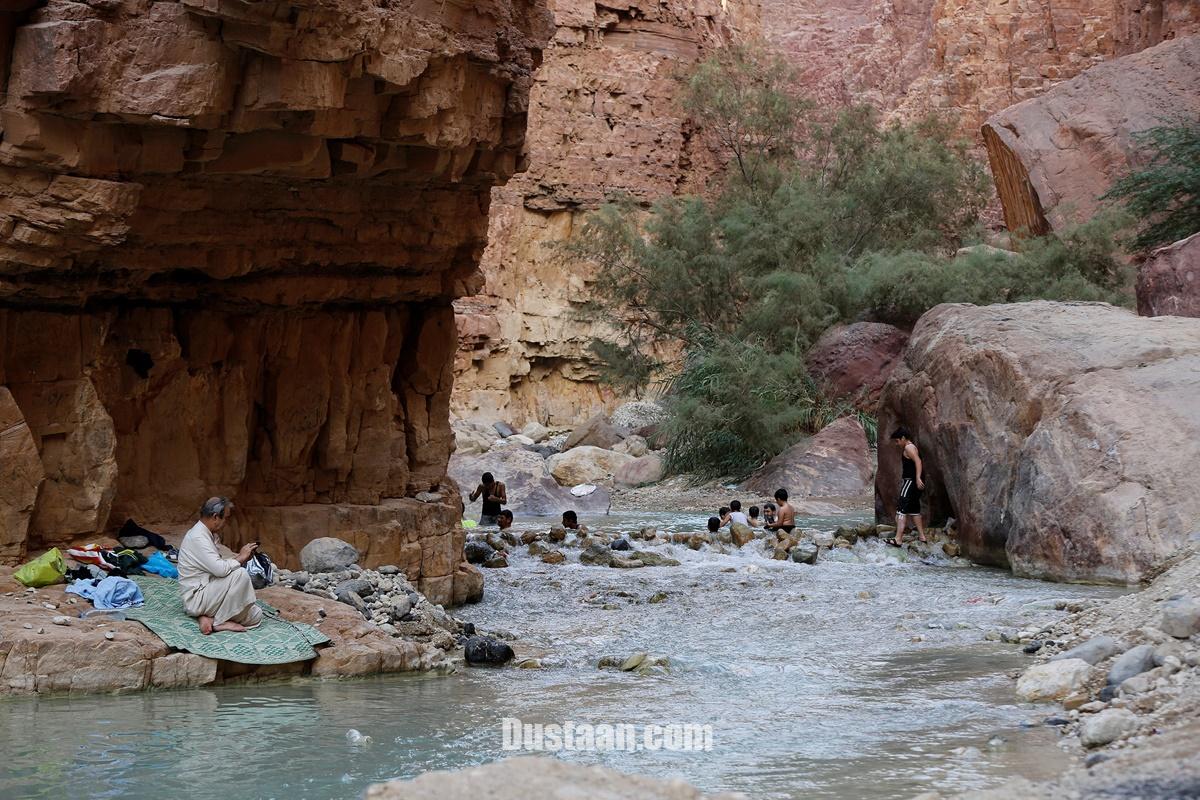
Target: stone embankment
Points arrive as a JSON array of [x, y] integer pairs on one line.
[[376, 619], [1127, 675]]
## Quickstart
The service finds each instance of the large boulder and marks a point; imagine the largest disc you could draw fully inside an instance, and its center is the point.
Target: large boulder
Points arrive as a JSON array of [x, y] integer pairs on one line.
[[328, 554], [640, 471], [1169, 280], [1063, 437], [585, 464], [21, 476], [856, 360], [1055, 155], [598, 431], [532, 491], [834, 463]]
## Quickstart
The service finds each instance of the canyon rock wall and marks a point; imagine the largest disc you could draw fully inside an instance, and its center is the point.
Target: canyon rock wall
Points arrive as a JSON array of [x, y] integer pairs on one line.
[[232, 235], [1169, 280], [1055, 156], [603, 121], [971, 58], [1063, 437]]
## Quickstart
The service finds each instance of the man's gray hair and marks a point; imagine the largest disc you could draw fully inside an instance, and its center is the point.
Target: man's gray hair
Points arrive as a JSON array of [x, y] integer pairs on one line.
[[215, 507]]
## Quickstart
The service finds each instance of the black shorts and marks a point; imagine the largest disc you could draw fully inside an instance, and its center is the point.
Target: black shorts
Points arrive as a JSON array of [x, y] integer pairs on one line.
[[910, 498]]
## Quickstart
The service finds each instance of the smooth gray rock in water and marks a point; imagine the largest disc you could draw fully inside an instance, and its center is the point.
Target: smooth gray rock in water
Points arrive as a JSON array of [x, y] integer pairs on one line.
[[621, 544], [328, 554], [1132, 662], [804, 553], [1093, 651], [486, 650], [478, 552], [1181, 617], [1107, 726], [597, 554], [651, 559]]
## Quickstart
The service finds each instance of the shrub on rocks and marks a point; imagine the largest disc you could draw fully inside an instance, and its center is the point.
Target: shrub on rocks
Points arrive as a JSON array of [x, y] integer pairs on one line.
[[328, 554]]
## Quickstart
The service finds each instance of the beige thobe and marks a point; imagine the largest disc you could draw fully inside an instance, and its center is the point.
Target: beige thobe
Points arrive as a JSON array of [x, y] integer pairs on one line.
[[213, 586]]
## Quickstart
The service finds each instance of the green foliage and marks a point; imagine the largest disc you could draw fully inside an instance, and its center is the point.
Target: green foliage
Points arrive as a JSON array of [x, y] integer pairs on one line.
[[1081, 264], [825, 215], [1164, 194], [735, 404]]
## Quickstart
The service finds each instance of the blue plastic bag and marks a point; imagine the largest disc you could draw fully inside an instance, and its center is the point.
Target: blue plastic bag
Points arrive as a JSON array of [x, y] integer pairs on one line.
[[159, 565]]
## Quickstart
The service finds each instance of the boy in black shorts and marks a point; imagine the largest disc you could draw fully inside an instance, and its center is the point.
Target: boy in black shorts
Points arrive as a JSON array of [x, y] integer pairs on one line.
[[912, 484]]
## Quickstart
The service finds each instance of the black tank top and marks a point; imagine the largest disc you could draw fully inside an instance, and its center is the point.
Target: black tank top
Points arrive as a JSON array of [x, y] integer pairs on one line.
[[490, 507], [910, 467]]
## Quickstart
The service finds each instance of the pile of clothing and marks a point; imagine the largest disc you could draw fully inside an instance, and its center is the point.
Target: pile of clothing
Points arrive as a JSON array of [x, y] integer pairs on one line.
[[98, 563]]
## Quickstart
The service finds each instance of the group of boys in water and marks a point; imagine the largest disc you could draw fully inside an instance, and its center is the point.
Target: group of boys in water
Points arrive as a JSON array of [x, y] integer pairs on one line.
[[776, 516]]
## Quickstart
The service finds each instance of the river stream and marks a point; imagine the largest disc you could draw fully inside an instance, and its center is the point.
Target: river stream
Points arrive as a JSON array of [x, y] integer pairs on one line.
[[861, 677]]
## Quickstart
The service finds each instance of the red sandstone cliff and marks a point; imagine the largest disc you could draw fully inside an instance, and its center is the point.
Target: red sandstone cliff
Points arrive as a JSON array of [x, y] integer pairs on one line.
[[231, 236], [603, 121]]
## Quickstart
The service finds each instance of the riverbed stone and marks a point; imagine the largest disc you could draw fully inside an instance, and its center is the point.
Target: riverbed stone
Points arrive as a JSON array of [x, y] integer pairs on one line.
[[623, 562], [804, 553], [1107, 726], [1053, 680], [538, 777], [597, 554], [1133, 661], [477, 551], [1181, 617], [621, 543], [553, 557], [652, 559], [486, 651], [328, 554], [741, 534], [1093, 651], [598, 432]]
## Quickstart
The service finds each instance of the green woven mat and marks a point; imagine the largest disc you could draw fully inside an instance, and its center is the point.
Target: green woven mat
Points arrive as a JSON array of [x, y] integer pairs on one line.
[[275, 641]]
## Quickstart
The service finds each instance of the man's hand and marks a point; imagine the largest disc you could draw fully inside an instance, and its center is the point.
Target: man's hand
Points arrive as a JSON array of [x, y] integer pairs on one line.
[[920, 484], [245, 553]]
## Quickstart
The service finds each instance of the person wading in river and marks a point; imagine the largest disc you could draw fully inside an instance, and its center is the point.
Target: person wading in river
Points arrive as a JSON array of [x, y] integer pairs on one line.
[[494, 495], [785, 515], [912, 483]]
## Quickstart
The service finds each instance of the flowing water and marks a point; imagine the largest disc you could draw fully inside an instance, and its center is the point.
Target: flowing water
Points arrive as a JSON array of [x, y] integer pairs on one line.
[[861, 677]]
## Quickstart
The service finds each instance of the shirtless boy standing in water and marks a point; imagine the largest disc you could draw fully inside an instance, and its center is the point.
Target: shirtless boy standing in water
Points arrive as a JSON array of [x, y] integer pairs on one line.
[[912, 483], [785, 515]]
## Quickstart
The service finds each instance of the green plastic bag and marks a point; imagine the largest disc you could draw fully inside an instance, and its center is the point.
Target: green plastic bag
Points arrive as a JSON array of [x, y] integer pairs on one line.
[[44, 570]]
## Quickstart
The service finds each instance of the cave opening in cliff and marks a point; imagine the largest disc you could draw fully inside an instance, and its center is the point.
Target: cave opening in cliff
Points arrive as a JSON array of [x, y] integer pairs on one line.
[[140, 361]]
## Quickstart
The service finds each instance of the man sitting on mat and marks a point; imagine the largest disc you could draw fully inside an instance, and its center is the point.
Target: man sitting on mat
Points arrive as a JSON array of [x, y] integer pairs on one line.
[[216, 590]]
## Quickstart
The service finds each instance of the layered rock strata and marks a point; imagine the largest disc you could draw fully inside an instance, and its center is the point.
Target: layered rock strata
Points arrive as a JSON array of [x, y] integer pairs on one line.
[[967, 59], [1063, 437], [604, 122], [232, 236]]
